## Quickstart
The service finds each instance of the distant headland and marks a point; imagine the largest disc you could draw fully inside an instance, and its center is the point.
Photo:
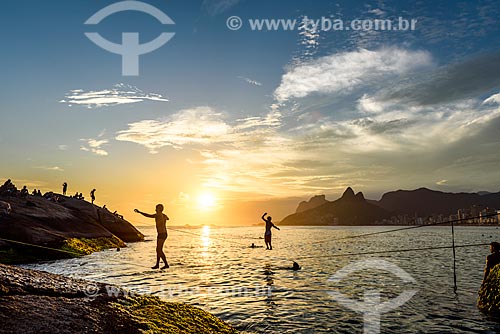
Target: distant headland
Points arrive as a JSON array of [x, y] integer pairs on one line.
[[401, 207]]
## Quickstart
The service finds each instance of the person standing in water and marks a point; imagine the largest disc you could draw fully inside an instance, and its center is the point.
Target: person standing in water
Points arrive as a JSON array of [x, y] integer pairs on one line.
[[161, 228], [269, 225]]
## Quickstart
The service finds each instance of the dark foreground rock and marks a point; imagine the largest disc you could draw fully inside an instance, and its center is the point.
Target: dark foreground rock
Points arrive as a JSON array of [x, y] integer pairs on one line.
[[38, 302], [71, 224], [489, 294]]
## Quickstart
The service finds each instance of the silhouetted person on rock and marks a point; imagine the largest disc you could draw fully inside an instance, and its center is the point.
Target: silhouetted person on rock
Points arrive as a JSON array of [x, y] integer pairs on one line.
[[65, 188], [92, 195], [493, 259], [267, 234], [24, 192], [161, 228]]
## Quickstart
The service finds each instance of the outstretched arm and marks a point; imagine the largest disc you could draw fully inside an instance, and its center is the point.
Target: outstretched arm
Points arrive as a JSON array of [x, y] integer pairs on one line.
[[145, 214], [276, 227], [265, 213]]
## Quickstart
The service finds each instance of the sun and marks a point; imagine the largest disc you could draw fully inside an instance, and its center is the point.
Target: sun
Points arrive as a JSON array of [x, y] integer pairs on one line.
[[206, 201]]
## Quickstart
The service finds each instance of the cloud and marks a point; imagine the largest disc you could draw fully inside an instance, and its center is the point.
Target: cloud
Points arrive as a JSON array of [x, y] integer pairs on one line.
[[62, 147], [94, 146], [452, 82], [119, 94], [309, 36], [52, 168], [442, 182], [196, 126], [493, 99], [377, 11], [250, 81], [342, 72]]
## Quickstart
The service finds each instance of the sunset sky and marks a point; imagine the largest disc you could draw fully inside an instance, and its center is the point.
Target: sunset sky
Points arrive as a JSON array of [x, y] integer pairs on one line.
[[222, 125]]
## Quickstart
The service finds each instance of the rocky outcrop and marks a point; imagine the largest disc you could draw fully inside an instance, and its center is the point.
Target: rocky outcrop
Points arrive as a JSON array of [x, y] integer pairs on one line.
[[36, 220], [314, 202], [489, 293], [350, 209], [37, 302]]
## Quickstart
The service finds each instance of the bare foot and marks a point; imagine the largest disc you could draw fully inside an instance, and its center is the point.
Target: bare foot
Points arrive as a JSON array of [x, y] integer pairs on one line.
[[155, 267], [165, 267]]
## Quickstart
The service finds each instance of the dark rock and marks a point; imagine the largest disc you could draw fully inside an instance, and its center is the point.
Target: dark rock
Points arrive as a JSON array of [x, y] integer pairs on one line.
[[489, 294], [52, 224], [37, 302]]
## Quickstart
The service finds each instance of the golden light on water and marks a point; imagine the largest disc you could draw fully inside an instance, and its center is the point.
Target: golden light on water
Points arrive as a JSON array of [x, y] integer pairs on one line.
[[205, 239]]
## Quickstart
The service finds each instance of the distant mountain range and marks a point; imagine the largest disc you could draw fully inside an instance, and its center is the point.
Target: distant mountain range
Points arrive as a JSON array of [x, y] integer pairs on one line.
[[354, 209]]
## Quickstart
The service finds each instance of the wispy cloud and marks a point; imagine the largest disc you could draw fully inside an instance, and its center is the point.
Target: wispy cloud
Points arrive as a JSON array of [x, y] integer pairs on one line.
[[50, 168], [495, 98], [118, 95], [62, 147], [342, 72], [197, 126], [94, 146], [250, 81], [450, 83]]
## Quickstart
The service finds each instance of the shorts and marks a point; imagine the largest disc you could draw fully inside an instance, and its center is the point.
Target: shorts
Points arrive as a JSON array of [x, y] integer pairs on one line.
[[162, 236], [267, 237]]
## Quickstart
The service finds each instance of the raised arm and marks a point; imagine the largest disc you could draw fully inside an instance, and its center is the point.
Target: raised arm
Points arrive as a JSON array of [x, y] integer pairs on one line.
[[265, 213], [145, 214]]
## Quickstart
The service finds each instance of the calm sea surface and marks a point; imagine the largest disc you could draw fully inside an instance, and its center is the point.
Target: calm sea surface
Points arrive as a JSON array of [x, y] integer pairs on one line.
[[252, 289]]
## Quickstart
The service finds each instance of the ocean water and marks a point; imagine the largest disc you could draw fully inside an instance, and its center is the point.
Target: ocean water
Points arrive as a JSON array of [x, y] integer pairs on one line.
[[253, 289]]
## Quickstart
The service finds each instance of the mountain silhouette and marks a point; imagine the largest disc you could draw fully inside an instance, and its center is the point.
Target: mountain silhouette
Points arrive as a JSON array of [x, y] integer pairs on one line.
[[354, 209], [350, 209], [315, 201], [426, 202]]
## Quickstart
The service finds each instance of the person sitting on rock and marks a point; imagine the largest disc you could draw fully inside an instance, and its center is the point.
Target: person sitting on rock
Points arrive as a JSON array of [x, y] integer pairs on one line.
[[24, 192], [493, 259]]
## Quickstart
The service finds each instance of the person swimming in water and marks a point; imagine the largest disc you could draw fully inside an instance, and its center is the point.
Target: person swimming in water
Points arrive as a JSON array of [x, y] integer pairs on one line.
[[267, 234], [161, 228]]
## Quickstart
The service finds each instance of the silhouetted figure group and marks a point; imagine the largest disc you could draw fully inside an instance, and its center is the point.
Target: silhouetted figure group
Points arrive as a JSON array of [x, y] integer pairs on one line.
[[161, 229], [8, 189], [78, 195]]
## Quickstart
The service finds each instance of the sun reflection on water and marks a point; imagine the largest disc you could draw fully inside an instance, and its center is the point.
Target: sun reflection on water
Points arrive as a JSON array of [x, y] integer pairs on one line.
[[205, 240]]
